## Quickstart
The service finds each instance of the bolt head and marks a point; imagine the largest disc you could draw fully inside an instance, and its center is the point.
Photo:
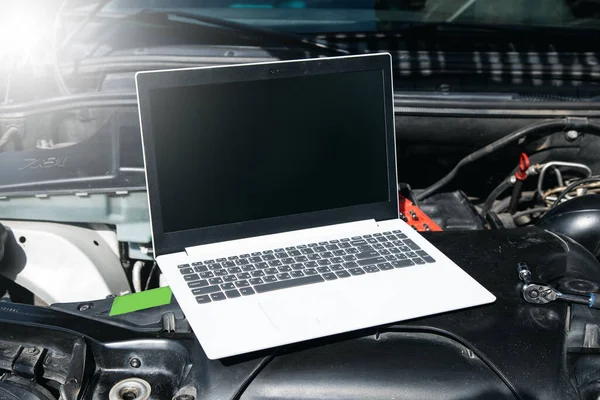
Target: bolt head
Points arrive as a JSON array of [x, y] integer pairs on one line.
[[534, 294], [524, 275], [572, 134], [135, 362]]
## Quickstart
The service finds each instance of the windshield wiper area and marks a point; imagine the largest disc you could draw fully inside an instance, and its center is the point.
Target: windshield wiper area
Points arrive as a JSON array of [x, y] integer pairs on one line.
[[244, 31]]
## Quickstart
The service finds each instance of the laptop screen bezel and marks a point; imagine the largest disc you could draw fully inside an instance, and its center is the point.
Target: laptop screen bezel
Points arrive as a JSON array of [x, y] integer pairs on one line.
[[171, 242]]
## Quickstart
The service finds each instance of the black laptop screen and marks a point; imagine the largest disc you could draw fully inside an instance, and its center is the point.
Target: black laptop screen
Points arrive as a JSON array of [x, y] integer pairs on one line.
[[245, 151]]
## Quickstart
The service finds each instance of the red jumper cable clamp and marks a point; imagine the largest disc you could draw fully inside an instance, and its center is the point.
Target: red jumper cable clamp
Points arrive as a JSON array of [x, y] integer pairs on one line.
[[413, 216]]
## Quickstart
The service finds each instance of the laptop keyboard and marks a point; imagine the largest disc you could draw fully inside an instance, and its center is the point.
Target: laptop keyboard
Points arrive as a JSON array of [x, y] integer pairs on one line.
[[261, 272]]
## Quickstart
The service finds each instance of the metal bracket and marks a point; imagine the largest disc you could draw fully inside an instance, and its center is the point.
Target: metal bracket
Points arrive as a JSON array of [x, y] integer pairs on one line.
[[28, 362], [74, 379]]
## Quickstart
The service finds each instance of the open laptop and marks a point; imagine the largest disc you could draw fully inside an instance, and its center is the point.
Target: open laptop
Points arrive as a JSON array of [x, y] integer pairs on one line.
[[274, 203]]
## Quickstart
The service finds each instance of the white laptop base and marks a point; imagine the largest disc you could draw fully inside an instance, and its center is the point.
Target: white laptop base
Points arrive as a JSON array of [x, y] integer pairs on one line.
[[264, 320]]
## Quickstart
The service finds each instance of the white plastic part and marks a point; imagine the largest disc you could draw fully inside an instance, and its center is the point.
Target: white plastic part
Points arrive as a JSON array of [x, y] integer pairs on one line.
[[108, 235], [63, 263]]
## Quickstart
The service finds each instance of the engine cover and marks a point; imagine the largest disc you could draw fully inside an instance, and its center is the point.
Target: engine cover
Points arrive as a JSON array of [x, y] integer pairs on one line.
[[579, 219]]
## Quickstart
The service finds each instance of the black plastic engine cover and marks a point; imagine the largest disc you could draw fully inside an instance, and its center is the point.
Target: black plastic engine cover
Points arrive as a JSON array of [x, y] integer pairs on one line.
[[506, 350], [452, 211], [579, 219], [109, 161]]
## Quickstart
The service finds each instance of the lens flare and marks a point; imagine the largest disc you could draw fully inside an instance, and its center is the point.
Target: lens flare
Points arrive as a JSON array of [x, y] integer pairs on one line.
[[24, 27]]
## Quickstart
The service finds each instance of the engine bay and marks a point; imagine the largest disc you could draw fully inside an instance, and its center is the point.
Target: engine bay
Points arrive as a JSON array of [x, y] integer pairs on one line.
[[498, 347], [495, 180], [497, 156], [488, 224]]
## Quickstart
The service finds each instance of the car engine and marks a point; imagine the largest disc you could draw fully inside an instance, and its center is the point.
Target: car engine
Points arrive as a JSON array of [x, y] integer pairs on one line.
[[534, 200]]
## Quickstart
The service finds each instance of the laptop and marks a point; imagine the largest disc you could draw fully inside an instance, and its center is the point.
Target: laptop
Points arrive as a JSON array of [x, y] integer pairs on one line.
[[274, 203]]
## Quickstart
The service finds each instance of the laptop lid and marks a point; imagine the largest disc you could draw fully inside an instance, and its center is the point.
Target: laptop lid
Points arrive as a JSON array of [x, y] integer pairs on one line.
[[246, 150]]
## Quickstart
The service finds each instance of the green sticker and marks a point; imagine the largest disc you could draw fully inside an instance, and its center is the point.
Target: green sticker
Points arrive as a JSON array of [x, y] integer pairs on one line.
[[140, 301]]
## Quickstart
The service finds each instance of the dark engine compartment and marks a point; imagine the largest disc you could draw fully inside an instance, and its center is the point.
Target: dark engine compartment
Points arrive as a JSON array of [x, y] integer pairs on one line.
[[506, 350]]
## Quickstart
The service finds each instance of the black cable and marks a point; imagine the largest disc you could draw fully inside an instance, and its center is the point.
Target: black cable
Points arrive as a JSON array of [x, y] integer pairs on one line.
[[414, 328], [572, 186], [250, 378], [466, 344], [550, 126], [489, 202], [515, 196], [494, 221], [150, 276]]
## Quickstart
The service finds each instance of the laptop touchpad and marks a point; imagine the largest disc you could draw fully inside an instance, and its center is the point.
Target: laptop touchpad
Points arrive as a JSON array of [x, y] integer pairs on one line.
[[289, 318]]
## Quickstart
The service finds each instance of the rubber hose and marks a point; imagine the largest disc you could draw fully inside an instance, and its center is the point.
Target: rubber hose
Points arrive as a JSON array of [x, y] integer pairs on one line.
[[489, 202], [550, 126], [515, 197]]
